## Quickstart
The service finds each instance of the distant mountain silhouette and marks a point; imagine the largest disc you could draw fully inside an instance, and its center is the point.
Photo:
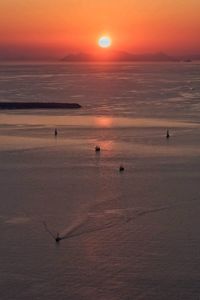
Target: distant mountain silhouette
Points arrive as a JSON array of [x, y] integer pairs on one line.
[[190, 57], [119, 56]]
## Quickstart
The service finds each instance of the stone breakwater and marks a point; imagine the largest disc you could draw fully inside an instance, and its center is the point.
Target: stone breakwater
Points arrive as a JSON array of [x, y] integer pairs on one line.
[[38, 105]]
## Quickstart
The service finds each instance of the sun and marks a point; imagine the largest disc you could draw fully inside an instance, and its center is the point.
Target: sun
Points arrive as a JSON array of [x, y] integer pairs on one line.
[[104, 42]]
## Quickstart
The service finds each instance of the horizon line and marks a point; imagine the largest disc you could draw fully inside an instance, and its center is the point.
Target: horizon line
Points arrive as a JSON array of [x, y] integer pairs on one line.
[[95, 57]]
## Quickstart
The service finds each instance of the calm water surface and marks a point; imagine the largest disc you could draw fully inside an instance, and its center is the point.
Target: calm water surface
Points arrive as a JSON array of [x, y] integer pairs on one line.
[[130, 235]]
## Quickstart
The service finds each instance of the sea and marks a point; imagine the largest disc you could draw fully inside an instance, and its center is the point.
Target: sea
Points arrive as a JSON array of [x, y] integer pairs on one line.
[[121, 235]]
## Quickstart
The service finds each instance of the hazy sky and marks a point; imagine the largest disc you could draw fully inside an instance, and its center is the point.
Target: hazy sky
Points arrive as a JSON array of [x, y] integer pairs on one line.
[[54, 28]]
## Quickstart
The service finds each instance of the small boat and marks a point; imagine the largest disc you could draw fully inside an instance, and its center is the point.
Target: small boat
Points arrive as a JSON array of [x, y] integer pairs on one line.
[[97, 149], [121, 168], [58, 238]]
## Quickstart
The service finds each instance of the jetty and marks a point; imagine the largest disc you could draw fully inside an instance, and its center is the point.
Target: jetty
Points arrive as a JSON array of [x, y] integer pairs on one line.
[[38, 105]]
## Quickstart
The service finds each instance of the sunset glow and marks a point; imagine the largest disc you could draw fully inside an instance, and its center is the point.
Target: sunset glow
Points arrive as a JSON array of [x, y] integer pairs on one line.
[[41, 28]]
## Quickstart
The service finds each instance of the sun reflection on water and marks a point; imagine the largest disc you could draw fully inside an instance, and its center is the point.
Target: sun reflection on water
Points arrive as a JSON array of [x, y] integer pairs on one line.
[[104, 122]]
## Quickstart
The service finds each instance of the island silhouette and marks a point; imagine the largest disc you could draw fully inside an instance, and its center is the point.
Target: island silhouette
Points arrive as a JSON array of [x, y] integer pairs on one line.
[[120, 56]]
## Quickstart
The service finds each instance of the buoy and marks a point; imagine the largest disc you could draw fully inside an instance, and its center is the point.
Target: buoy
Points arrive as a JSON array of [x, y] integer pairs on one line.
[[167, 135]]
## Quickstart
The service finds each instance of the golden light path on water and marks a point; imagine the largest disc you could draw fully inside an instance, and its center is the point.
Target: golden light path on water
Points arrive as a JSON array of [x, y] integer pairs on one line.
[[89, 121], [22, 131]]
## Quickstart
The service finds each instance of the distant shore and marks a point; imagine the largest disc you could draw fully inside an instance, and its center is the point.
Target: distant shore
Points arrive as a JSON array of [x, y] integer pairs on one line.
[[38, 105]]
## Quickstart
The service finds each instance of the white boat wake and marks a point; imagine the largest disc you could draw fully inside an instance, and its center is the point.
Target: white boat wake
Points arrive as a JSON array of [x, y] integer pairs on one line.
[[93, 222]]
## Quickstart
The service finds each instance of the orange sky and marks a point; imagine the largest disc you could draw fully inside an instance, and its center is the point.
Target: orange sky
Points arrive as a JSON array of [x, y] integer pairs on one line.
[[63, 26]]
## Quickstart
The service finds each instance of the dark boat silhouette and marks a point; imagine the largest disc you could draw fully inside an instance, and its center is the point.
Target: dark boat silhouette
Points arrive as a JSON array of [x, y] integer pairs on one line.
[[57, 238], [121, 168], [97, 149]]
